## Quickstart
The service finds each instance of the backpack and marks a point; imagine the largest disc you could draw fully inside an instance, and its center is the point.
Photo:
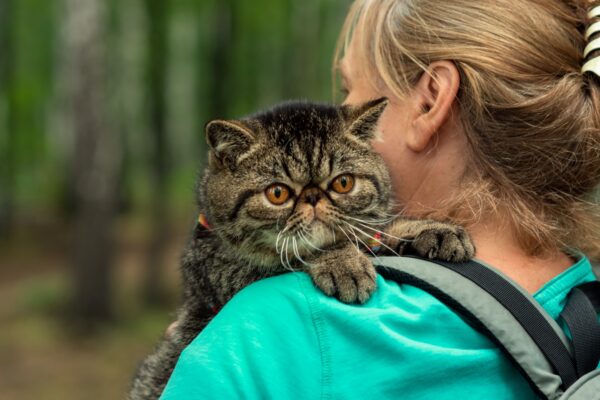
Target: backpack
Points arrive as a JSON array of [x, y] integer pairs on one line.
[[554, 365]]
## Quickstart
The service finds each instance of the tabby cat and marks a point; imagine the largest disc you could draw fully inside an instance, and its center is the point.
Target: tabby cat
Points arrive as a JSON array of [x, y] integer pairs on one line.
[[295, 188]]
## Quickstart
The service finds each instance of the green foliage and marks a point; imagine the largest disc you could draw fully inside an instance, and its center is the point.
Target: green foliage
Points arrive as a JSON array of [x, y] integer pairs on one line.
[[224, 58]]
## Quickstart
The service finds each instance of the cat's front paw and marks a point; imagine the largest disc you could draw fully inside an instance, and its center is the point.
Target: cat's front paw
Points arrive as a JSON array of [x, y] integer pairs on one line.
[[444, 242], [350, 278]]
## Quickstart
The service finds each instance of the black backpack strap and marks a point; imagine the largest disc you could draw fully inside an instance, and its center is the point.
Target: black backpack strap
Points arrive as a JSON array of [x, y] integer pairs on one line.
[[581, 316], [501, 310], [521, 307]]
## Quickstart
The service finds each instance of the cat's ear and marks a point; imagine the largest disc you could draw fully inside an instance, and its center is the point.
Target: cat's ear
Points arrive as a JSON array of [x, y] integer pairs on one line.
[[361, 120], [229, 140]]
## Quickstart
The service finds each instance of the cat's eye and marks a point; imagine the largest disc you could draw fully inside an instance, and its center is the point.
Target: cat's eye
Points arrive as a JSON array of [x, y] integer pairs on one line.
[[278, 194], [343, 184]]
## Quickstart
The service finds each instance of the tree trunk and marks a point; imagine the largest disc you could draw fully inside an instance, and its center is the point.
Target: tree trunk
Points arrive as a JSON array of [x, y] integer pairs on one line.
[[8, 125], [301, 52], [95, 161], [219, 95], [157, 10]]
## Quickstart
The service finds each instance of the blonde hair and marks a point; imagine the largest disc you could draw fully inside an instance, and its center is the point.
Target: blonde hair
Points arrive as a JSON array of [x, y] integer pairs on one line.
[[532, 119]]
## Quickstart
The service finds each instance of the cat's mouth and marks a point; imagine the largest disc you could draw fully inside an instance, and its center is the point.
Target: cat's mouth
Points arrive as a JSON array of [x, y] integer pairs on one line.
[[293, 248], [306, 234]]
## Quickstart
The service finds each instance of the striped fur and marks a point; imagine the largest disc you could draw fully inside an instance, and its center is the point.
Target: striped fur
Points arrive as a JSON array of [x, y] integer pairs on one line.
[[304, 146]]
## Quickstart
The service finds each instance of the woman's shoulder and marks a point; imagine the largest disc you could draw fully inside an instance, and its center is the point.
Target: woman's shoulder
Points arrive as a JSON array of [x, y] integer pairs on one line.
[[383, 348], [401, 318], [294, 295], [284, 288]]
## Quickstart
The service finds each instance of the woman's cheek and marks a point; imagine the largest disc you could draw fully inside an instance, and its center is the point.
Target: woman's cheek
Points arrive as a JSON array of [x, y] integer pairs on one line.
[[389, 143]]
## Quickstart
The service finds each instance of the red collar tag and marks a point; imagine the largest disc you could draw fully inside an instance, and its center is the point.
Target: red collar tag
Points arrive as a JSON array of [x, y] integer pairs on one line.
[[375, 243], [203, 228], [203, 221]]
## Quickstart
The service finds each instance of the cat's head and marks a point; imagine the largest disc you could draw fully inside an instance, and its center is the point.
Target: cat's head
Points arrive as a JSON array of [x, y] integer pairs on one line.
[[294, 179]]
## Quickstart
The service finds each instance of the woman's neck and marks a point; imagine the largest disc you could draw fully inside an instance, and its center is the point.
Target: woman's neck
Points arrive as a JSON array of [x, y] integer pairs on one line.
[[499, 248]]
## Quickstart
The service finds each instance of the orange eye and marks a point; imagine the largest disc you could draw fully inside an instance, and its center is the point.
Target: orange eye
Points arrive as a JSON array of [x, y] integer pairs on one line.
[[343, 184], [277, 194]]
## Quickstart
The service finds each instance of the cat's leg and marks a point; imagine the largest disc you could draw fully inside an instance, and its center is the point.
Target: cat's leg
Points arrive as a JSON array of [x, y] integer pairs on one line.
[[155, 370], [344, 273], [431, 239]]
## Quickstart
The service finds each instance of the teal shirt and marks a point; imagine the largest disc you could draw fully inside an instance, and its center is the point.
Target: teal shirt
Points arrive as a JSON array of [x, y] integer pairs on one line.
[[281, 338]]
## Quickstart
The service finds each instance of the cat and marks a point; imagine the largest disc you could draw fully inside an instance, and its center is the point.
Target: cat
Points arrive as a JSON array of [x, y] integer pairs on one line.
[[297, 187]]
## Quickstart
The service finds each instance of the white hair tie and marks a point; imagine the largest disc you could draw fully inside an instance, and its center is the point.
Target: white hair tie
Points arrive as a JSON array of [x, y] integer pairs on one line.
[[591, 46], [593, 28], [592, 65]]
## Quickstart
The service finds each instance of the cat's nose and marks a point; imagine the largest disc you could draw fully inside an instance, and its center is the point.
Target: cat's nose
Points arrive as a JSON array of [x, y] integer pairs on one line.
[[311, 196]]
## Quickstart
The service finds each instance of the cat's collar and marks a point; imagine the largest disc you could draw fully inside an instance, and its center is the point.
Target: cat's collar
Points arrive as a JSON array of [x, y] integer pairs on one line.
[[203, 228], [374, 243]]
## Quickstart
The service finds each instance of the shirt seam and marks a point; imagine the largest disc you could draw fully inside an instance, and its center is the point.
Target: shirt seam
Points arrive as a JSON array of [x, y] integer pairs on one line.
[[322, 339]]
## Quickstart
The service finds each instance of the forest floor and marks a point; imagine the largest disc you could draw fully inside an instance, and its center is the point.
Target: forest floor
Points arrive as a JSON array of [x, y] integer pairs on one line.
[[40, 357]]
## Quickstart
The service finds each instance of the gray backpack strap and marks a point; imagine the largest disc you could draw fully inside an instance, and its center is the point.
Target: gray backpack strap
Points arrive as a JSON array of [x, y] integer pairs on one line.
[[541, 354], [586, 388]]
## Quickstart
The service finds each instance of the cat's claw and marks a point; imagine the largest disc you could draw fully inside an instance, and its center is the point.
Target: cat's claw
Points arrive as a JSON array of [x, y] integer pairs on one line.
[[351, 280]]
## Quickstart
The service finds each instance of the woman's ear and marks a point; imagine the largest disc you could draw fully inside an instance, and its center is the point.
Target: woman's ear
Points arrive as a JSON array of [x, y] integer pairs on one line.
[[434, 96]]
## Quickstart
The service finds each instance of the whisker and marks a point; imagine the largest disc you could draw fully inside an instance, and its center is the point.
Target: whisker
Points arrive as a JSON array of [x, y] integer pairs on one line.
[[283, 253], [377, 240], [350, 240], [286, 228], [287, 243], [306, 231], [333, 235], [277, 242], [312, 237], [281, 258], [308, 242], [297, 253], [367, 246], [309, 235], [385, 234], [340, 215], [356, 239], [370, 221], [302, 236]]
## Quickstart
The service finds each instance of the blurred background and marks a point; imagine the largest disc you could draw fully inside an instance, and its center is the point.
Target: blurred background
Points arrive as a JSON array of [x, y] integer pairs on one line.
[[102, 108]]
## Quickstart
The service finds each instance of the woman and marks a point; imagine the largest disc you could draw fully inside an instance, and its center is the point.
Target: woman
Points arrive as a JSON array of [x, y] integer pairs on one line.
[[492, 124]]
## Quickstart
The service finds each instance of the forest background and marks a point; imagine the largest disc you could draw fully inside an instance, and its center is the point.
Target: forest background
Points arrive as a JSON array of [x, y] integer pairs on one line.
[[102, 108]]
